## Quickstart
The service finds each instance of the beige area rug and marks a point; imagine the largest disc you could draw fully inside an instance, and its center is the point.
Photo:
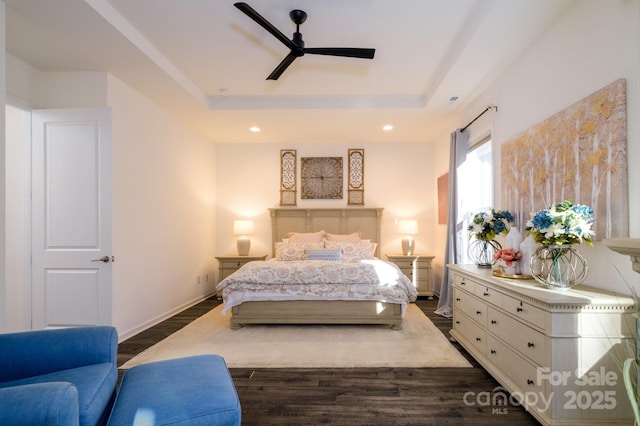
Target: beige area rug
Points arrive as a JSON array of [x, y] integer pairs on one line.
[[418, 344]]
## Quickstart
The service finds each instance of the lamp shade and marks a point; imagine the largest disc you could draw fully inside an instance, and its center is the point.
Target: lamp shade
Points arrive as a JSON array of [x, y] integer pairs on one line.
[[242, 227], [408, 227]]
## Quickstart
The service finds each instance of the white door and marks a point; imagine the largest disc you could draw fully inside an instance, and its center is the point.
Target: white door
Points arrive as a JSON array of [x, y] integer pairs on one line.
[[71, 217]]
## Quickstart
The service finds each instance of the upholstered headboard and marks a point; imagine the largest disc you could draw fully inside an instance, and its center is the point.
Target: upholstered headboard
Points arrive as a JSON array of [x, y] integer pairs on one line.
[[336, 221]]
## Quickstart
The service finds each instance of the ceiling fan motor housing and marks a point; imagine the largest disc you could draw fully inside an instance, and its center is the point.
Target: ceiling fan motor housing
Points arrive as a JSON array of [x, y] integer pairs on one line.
[[297, 40]]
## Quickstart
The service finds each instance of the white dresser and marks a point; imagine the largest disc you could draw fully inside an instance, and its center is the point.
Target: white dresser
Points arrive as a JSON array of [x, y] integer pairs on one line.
[[557, 353]]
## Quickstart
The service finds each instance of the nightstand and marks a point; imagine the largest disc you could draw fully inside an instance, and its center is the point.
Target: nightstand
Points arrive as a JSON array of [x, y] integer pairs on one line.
[[418, 268], [227, 265]]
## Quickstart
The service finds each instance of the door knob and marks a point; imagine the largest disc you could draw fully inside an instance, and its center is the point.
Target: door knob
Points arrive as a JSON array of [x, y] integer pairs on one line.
[[104, 259]]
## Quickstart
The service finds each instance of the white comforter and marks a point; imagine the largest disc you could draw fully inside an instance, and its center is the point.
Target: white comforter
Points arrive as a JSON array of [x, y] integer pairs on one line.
[[370, 279]]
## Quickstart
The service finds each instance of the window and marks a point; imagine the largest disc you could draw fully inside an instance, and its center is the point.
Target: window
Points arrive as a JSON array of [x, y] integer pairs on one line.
[[475, 191]]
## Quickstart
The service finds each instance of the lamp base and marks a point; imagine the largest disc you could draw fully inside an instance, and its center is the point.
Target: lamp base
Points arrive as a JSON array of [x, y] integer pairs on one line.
[[408, 245], [244, 245]]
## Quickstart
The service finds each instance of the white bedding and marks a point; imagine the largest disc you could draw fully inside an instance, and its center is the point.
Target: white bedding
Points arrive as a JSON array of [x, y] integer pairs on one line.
[[367, 279]]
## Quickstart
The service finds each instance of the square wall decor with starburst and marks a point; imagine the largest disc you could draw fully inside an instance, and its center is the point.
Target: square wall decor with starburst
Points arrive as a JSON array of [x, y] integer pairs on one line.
[[321, 177]]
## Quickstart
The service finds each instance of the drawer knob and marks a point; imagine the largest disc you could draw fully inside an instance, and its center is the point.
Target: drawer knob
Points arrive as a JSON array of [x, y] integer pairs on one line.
[[462, 283], [478, 339], [519, 309], [493, 351], [457, 299], [494, 322], [531, 345], [457, 322], [485, 294], [529, 382], [478, 313]]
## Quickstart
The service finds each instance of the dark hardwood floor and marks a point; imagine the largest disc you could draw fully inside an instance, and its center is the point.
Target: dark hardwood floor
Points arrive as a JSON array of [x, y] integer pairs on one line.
[[356, 396]]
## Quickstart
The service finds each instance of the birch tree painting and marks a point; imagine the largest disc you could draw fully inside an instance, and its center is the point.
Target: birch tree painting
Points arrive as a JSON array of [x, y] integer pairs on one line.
[[579, 154]]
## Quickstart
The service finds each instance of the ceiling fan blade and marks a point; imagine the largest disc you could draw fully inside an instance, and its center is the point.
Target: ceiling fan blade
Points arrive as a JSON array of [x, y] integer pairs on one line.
[[277, 72], [251, 13], [350, 52]]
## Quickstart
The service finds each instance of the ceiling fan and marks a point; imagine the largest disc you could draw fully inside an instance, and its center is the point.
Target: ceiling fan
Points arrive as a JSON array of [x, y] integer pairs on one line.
[[296, 44]]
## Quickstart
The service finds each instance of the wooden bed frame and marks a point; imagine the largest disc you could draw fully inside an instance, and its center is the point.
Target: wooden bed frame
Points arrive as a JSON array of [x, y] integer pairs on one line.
[[335, 221]]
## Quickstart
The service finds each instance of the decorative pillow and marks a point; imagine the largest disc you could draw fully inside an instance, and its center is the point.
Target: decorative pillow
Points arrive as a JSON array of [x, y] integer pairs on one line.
[[354, 251], [354, 237], [323, 254], [306, 237], [294, 251]]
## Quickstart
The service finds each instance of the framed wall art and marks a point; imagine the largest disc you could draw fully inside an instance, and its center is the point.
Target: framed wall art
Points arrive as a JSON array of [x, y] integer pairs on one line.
[[578, 154], [355, 191], [443, 192], [321, 177], [288, 188]]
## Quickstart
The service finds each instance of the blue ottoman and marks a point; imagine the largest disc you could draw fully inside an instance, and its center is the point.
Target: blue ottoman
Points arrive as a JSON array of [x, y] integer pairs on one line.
[[195, 390]]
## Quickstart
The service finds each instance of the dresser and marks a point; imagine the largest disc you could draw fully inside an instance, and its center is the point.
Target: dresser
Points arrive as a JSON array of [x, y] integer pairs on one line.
[[227, 265], [556, 352], [418, 268]]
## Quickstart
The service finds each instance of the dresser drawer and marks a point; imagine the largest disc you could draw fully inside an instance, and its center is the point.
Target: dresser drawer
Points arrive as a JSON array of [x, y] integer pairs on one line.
[[233, 264], [526, 340], [423, 285], [471, 331], [524, 311], [464, 283], [489, 294], [523, 374], [470, 305], [406, 264], [224, 273]]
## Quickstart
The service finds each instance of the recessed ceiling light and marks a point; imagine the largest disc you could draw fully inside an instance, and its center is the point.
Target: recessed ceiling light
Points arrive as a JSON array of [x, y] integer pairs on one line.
[[387, 127], [254, 129]]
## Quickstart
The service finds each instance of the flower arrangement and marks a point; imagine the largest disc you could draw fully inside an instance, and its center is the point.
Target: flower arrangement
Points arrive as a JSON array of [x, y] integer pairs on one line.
[[508, 256], [562, 224], [486, 225]]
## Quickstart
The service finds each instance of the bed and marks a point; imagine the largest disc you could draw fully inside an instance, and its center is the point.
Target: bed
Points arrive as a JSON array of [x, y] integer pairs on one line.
[[336, 291]]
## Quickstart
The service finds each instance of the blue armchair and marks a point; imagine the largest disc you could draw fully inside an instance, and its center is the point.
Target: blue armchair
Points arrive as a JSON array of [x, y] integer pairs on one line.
[[58, 377]]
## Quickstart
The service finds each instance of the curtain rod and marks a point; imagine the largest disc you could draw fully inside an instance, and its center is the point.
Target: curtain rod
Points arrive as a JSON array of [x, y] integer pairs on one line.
[[489, 108]]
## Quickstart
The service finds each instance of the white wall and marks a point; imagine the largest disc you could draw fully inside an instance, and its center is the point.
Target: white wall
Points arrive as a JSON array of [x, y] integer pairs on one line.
[[398, 177], [16, 232], [32, 88], [164, 192], [3, 299], [593, 44], [164, 198]]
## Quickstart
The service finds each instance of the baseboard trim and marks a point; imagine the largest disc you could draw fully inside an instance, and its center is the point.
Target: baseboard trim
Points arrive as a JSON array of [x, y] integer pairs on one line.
[[157, 320]]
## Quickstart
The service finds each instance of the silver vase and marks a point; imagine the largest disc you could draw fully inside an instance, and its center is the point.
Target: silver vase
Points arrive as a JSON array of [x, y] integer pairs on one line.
[[558, 267], [481, 252]]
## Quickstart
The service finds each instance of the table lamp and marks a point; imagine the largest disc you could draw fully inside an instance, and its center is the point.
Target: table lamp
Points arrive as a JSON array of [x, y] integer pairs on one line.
[[408, 228], [243, 228]]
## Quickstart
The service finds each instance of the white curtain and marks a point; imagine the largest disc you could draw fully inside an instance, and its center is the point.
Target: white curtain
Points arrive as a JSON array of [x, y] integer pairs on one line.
[[457, 155]]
